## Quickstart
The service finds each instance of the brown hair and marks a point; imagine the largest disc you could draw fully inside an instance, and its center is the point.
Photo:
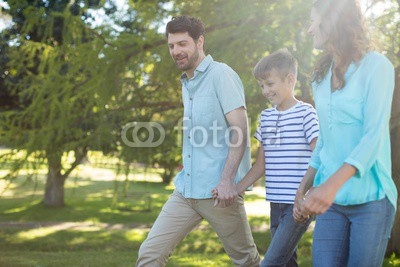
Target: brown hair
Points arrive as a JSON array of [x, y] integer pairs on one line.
[[281, 60], [347, 42], [181, 24]]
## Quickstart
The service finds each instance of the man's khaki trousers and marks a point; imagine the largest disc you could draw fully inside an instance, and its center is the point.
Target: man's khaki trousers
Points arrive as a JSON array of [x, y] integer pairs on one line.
[[180, 216]]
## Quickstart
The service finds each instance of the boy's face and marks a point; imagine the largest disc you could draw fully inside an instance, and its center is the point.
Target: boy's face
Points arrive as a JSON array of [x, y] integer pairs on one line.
[[278, 91]]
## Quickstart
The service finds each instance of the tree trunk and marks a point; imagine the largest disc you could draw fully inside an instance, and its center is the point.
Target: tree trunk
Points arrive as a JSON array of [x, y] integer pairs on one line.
[[168, 175], [394, 242], [54, 191]]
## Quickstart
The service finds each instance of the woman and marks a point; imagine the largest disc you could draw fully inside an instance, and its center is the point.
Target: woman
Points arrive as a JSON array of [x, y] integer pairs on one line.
[[353, 194]]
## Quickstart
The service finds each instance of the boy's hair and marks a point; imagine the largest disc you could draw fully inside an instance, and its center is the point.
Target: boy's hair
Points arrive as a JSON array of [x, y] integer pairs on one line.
[[281, 60], [181, 24]]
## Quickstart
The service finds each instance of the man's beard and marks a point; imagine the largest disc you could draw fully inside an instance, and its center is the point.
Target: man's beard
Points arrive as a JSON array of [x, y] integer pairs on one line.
[[191, 62]]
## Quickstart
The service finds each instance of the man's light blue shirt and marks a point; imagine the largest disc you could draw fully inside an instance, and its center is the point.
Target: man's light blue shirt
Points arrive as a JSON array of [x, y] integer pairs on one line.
[[213, 91], [354, 129]]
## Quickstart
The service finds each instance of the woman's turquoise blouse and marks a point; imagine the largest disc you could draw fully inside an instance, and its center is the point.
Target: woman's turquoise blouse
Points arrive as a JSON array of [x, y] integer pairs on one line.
[[354, 129]]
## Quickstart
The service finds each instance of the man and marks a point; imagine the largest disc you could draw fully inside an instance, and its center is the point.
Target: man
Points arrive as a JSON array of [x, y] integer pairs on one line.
[[215, 154]]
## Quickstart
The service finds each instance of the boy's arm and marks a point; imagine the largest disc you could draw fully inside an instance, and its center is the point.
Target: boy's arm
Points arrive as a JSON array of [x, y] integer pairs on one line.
[[308, 179], [255, 173], [313, 143], [306, 183], [304, 186]]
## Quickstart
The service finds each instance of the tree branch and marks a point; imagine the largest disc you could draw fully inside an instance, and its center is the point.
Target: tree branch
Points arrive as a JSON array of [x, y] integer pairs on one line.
[[80, 154]]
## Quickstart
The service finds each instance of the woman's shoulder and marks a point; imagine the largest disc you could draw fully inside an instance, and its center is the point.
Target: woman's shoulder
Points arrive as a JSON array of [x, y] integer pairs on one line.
[[376, 58]]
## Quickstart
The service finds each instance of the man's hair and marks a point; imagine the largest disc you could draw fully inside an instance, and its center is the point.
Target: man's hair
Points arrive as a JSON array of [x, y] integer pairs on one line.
[[281, 60], [181, 24], [344, 24]]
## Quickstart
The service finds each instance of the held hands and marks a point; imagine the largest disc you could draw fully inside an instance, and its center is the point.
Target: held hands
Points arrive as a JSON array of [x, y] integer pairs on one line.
[[224, 194], [317, 200], [299, 215]]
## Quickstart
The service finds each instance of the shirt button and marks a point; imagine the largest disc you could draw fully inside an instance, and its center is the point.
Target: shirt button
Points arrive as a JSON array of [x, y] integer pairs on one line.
[[188, 174], [191, 98], [188, 156]]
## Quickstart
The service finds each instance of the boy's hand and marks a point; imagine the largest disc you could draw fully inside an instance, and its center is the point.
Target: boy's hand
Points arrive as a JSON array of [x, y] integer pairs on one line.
[[299, 214], [215, 196]]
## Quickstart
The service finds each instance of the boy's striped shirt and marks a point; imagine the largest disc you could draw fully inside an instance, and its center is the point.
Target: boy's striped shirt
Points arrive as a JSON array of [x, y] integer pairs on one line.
[[286, 137]]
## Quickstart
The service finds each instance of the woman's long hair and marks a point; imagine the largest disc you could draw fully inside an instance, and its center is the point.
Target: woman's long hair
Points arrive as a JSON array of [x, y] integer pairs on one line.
[[344, 25]]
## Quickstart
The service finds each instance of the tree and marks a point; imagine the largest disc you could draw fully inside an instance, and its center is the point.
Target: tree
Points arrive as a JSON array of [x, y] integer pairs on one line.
[[65, 78], [76, 84], [54, 109]]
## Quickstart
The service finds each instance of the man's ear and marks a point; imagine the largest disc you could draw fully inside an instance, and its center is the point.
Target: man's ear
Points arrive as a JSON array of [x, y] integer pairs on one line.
[[200, 42]]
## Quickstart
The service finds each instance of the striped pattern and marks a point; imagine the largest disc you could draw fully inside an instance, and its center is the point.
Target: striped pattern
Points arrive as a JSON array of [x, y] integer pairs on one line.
[[286, 137]]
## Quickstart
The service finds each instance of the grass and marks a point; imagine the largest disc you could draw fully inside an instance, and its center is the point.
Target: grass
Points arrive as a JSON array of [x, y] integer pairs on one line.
[[105, 221]]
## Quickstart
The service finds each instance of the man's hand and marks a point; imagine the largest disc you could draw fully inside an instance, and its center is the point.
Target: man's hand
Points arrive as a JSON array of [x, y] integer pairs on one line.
[[224, 194]]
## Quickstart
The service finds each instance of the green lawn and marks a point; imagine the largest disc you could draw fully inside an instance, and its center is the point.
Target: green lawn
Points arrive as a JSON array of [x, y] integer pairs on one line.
[[104, 223]]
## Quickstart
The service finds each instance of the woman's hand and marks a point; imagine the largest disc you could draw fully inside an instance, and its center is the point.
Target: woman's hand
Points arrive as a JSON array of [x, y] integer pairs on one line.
[[318, 199]]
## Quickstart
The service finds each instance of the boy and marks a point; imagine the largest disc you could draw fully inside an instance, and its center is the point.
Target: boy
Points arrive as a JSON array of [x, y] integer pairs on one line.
[[287, 133]]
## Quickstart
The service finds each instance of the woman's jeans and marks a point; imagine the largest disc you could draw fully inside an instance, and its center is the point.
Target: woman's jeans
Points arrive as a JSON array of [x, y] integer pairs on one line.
[[286, 234], [355, 235]]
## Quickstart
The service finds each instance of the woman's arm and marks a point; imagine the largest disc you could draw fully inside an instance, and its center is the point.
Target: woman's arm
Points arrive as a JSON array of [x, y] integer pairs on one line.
[[319, 199], [377, 97]]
